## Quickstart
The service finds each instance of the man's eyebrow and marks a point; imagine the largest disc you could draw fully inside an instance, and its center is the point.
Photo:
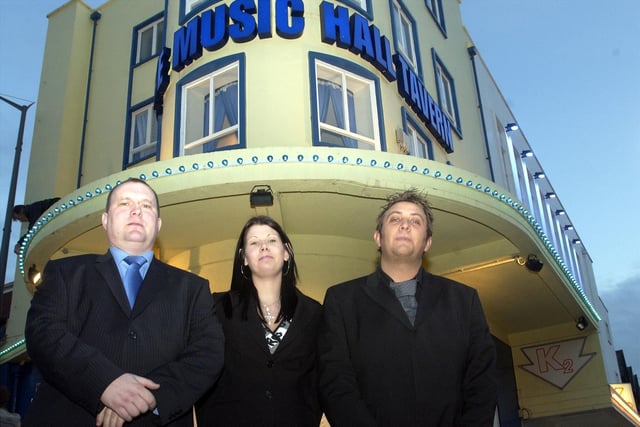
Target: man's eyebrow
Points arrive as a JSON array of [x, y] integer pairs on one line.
[[420, 214]]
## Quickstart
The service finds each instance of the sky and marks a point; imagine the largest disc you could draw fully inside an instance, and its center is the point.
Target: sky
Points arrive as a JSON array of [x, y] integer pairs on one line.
[[569, 70]]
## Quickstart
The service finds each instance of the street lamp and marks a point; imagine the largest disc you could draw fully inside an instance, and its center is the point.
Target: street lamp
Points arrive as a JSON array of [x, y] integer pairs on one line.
[[6, 231]]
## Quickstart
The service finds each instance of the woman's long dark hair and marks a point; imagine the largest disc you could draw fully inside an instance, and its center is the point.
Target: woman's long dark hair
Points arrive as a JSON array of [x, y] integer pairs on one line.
[[242, 282]]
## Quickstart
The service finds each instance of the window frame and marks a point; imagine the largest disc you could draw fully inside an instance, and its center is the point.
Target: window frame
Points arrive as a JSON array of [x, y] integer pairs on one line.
[[362, 6], [352, 71], [409, 122], [191, 80], [437, 15], [399, 11], [157, 39], [442, 76], [151, 140], [193, 5], [190, 8]]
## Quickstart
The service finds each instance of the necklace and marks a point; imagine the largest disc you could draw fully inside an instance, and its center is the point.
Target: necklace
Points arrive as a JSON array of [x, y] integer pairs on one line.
[[270, 312]]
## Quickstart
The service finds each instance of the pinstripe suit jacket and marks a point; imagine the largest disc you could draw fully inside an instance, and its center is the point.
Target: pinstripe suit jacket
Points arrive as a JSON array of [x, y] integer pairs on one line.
[[82, 335]]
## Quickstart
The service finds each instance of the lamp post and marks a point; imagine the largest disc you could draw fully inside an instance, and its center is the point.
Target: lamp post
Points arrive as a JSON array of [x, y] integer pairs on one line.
[[6, 231]]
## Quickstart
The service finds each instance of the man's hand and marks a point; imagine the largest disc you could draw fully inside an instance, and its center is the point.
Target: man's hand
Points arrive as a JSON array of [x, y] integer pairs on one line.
[[109, 418], [129, 396]]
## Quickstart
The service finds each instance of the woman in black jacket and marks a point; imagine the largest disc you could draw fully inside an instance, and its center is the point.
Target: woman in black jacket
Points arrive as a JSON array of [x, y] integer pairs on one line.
[[270, 327]]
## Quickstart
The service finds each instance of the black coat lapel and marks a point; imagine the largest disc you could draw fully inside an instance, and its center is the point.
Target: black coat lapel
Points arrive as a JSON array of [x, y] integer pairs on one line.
[[158, 277], [381, 294], [301, 319], [106, 266], [428, 296]]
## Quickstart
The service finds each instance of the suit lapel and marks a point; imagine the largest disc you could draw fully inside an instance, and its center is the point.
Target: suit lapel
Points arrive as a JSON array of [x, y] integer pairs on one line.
[[301, 319], [107, 268], [430, 290], [375, 288], [155, 280], [254, 328]]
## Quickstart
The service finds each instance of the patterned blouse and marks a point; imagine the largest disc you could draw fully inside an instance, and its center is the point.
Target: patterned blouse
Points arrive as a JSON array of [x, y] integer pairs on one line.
[[274, 338]]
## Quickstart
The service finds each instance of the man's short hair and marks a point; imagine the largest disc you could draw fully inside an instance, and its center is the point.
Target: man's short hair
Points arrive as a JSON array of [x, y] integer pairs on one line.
[[412, 196], [140, 181]]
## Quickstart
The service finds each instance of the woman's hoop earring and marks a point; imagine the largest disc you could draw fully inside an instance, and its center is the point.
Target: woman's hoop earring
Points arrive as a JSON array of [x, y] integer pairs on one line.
[[284, 273], [243, 273]]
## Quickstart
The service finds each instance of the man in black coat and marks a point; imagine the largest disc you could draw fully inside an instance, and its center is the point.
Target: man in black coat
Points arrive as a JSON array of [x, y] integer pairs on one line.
[[30, 214], [108, 357], [402, 347]]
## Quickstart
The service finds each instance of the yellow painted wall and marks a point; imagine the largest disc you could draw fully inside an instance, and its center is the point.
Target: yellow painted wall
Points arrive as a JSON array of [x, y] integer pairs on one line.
[[587, 389], [110, 84], [54, 156]]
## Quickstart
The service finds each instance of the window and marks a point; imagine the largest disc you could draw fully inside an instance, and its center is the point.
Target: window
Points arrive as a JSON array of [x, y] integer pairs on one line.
[[414, 137], [418, 146], [403, 30], [190, 8], [149, 41], [190, 5], [209, 113], [446, 93], [144, 134], [363, 6], [346, 111], [435, 7]]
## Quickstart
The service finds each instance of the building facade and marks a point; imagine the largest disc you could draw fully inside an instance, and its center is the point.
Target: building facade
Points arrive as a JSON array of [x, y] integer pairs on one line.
[[321, 109]]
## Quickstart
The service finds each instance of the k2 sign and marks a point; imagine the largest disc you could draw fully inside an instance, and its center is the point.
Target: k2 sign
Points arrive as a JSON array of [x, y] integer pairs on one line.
[[557, 363]]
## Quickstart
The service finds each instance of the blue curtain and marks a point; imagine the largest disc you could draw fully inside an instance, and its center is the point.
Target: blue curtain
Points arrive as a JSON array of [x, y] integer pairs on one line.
[[225, 106], [330, 94]]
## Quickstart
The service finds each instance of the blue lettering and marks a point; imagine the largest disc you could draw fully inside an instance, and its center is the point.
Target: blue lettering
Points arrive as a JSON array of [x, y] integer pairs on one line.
[[437, 123], [334, 24], [411, 88], [357, 35], [434, 114], [362, 44], [447, 140], [424, 104], [383, 61], [244, 28], [213, 29], [415, 92], [186, 44], [162, 79], [213, 34], [284, 10], [264, 19]]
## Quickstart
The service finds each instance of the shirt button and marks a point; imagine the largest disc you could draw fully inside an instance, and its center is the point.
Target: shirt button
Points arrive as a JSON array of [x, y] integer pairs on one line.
[[133, 335], [268, 394], [270, 364]]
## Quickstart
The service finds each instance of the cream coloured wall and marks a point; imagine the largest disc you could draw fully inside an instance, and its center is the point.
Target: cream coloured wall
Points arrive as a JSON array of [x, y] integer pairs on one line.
[[110, 85], [470, 153], [588, 389], [54, 156]]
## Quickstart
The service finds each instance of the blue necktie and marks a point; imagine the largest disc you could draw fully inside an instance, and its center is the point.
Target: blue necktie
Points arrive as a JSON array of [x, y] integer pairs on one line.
[[133, 278]]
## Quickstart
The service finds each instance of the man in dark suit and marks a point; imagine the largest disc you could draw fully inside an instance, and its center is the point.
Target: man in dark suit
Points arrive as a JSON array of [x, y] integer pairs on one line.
[[402, 347], [107, 359]]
